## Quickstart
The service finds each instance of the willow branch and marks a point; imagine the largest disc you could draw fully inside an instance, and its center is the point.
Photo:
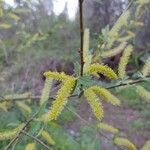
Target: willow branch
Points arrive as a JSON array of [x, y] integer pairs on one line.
[[23, 128], [128, 82], [81, 35]]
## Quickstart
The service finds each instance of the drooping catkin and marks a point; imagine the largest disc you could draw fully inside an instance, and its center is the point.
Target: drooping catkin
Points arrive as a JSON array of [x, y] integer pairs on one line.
[[146, 68], [143, 93], [18, 96], [110, 98], [125, 143], [30, 146], [56, 75], [86, 53], [61, 99], [114, 32], [94, 103], [146, 146], [122, 21], [114, 51], [5, 26], [46, 90], [108, 128], [103, 69], [125, 38], [46, 136], [10, 134], [124, 61], [24, 108]]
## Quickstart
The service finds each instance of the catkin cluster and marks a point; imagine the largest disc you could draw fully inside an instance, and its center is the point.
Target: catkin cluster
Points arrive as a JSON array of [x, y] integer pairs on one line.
[[94, 101], [68, 83]]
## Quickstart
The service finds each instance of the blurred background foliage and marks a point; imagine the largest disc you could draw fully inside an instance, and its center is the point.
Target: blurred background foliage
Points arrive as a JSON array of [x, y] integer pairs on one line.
[[34, 39]]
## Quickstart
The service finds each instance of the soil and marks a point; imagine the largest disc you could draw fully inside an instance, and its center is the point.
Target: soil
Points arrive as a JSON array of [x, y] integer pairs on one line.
[[119, 117]]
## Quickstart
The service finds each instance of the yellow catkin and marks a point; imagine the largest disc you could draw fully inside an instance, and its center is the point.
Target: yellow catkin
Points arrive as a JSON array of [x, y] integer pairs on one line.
[[6, 135], [103, 69], [114, 32], [61, 99], [86, 44], [18, 96], [46, 90], [115, 51], [46, 136], [146, 146], [31, 40], [31, 146], [24, 107], [87, 57], [1, 11], [131, 33], [146, 68], [137, 23], [13, 16], [124, 61], [108, 128], [56, 75], [5, 26], [4, 105], [94, 103], [143, 2], [125, 38], [122, 142], [106, 95], [122, 21], [143, 93]]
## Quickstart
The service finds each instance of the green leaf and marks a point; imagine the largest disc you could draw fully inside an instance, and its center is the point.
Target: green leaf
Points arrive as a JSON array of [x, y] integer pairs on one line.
[[35, 127], [66, 116], [77, 68], [85, 81]]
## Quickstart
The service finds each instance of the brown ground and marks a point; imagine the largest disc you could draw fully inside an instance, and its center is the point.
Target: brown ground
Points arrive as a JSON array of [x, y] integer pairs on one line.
[[119, 117]]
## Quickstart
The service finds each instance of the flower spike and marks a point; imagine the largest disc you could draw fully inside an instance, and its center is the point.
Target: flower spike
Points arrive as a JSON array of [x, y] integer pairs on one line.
[[103, 69]]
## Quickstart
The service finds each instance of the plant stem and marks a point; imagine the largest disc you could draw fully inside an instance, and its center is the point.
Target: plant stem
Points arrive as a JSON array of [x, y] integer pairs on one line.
[[36, 139], [81, 35]]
